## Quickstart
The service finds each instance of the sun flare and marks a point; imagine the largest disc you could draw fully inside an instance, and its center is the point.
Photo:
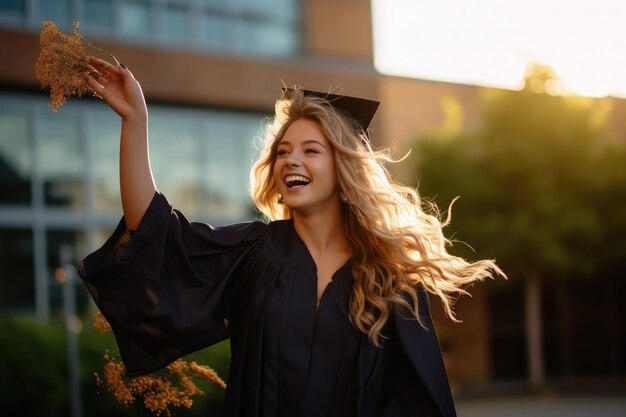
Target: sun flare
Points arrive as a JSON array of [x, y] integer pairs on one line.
[[491, 42]]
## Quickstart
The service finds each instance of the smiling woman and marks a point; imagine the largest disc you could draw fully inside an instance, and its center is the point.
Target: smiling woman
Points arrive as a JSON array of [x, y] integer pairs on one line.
[[325, 304], [491, 42], [304, 169]]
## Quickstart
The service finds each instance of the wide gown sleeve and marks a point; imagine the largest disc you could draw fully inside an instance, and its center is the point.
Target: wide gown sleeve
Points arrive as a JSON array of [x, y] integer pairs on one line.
[[166, 290]]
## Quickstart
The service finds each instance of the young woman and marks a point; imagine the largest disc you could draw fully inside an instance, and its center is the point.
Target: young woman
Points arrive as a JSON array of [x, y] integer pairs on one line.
[[326, 305]]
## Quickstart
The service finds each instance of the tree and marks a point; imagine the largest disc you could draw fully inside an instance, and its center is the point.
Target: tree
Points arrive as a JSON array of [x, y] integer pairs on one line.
[[534, 184]]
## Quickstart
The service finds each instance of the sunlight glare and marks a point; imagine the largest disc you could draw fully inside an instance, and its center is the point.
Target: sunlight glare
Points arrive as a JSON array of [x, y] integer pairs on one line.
[[491, 42]]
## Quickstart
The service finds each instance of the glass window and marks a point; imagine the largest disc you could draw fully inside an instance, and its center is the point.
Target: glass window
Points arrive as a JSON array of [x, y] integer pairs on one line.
[[61, 159], [272, 39], [17, 278], [248, 153], [174, 145], [15, 156], [177, 23], [268, 27], [252, 5], [228, 152], [104, 129], [213, 31], [59, 11], [241, 37], [284, 9], [137, 18], [201, 161], [98, 14], [222, 177], [212, 3], [13, 8], [261, 27]]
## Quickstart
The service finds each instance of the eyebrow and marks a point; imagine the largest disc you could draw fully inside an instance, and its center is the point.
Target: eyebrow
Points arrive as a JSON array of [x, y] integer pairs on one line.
[[304, 142]]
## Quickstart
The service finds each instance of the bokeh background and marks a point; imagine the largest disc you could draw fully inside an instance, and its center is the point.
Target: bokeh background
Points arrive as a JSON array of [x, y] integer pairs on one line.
[[541, 173]]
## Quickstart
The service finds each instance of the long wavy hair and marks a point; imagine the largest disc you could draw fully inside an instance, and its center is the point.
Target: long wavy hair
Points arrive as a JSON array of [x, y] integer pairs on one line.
[[396, 244]]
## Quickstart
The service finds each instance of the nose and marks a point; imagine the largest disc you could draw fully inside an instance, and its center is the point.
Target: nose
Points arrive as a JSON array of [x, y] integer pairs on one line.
[[293, 159]]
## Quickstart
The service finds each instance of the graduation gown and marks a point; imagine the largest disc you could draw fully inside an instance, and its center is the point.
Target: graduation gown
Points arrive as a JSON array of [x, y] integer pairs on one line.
[[175, 287]]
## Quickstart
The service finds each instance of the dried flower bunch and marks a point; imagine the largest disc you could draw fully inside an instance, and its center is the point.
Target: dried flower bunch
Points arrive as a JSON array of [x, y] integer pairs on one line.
[[173, 387], [100, 323], [62, 61]]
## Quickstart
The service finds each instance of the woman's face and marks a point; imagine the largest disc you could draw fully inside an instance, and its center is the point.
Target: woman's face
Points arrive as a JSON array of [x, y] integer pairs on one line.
[[305, 168]]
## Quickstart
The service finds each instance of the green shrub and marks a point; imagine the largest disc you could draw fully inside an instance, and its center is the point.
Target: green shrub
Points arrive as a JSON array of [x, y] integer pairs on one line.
[[34, 375]]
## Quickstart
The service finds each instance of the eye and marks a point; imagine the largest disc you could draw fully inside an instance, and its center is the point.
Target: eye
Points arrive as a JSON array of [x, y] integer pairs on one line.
[[281, 152], [311, 150]]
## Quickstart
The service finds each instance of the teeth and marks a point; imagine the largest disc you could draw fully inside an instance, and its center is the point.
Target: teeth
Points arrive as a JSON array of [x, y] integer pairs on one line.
[[299, 178], [295, 180]]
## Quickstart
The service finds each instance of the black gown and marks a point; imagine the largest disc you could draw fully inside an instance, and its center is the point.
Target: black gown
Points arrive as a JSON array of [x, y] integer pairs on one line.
[[175, 287]]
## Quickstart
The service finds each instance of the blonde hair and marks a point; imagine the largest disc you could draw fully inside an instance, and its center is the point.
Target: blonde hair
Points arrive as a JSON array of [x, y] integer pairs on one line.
[[396, 245]]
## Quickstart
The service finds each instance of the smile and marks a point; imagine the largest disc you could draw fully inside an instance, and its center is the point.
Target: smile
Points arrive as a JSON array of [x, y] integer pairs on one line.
[[296, 180]]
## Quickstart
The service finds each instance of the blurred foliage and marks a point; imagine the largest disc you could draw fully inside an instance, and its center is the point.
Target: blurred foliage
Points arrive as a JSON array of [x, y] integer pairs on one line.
[[34, 377], [542, 182]]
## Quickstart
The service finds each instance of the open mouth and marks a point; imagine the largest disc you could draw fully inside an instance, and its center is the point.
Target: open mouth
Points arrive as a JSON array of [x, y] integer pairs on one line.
[[296, 181]]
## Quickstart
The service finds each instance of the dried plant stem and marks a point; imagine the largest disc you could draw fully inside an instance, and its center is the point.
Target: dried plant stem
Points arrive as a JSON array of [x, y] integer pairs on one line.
[[172, 387]]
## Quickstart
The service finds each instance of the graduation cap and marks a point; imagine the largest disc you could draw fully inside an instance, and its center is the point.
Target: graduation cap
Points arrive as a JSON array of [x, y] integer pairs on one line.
[[359, 109]]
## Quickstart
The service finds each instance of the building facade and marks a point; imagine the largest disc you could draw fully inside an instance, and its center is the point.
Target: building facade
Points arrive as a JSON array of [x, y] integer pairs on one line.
[[210, 71]]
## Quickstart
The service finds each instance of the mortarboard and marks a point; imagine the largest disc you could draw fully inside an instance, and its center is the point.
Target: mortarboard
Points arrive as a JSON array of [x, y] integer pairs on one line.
[[359, 109]]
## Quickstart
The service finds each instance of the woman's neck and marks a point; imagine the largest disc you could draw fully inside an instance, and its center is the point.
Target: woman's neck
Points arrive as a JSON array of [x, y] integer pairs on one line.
[[322, 232]]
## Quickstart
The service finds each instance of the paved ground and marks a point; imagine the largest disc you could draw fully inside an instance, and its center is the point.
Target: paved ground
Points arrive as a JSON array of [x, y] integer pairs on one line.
[[546, 406]]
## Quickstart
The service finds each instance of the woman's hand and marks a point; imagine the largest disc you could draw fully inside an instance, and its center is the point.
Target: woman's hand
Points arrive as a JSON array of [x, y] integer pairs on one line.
[[118, 87]]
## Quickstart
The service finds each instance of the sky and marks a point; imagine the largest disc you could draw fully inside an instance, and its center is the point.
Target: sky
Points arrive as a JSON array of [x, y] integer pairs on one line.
[[492, 42]]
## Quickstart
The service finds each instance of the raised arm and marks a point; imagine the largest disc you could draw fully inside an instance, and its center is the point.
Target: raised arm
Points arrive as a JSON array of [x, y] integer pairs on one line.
[[121, 91]]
